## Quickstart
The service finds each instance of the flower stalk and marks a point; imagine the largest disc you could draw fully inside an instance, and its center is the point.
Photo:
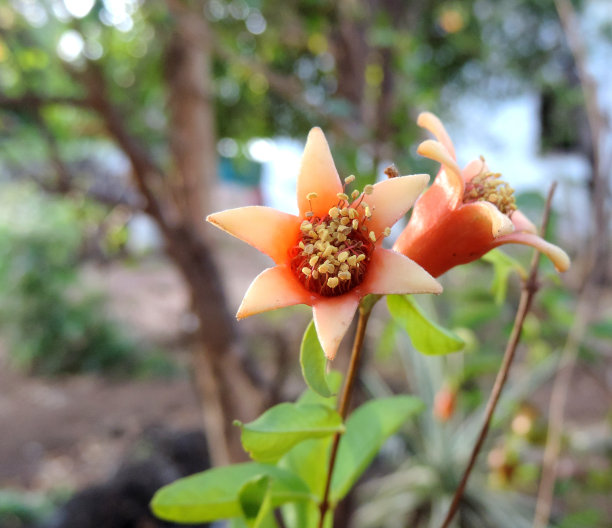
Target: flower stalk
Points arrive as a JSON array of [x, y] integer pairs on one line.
[[529, 289], [365, 309]]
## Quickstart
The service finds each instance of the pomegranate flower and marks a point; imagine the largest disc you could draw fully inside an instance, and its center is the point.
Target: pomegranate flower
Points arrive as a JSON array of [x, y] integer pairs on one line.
[[330, 255], [465, 213]]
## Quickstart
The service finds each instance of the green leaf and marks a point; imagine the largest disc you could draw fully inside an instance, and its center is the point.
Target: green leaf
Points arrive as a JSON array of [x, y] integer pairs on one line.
[[214, 494], [281, 427], [503, 266], [367, 429], [314, 362], [427, 336], [252, 495]]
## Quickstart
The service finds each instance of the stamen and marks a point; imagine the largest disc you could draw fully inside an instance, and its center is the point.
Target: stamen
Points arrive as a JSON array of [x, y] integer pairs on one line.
[[332, 252], [489, 187], [342, 196], [349, 179]]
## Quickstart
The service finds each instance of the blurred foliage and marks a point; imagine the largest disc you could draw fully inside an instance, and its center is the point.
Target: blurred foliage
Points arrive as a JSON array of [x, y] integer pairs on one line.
[[279, 71], [53, 324], [22, 510]]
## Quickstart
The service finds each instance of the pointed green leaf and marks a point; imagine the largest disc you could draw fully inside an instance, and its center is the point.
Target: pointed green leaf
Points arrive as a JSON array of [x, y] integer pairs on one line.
[[503, 266], [314, 362], [427, 336], [214, 494], [252, 495], [281, 427], [367, 429]]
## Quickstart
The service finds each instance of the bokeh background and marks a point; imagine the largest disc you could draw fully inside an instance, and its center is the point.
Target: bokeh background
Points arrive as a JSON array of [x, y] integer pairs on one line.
[[124, 122]]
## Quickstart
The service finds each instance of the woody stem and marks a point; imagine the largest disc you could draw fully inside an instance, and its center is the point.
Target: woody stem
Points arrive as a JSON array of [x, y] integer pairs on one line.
[[364, 314], [530, 288]]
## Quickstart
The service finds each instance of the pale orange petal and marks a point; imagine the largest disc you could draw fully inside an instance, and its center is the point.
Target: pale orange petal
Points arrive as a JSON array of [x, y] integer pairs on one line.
[[318, 174], [332, 317], [500, 223], [389, 272], [431, 122], [272, 232], [558, 257], [392, 198], [436, 151], [474, 168], [273, 288], [522, 223]]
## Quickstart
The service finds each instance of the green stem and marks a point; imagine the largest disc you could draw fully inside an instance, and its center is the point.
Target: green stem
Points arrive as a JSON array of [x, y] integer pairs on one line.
[[365, 309]]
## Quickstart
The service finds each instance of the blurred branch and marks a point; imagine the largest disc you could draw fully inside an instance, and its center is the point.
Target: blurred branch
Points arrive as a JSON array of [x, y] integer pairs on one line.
[[528, 292], [31, 101], [596, 269]]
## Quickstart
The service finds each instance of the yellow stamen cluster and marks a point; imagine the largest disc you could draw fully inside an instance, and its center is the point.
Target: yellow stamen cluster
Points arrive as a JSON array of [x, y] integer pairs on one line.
[[487, 186], [332, 252]]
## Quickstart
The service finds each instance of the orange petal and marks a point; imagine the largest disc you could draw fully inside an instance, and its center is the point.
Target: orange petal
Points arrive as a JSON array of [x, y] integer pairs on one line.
[[558, 257], [522, 223], [474, 168], [332, 317], [436, 151], [318, 174], [392, 198], [273, 288], [500, 223], [389, 272], [431, 122], [272, 232], [457, 237]]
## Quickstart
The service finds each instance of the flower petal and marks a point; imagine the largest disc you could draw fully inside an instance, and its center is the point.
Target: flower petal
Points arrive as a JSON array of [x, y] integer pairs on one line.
[[318, 174], [273, 288], [500, 223], [391, 198], [436, 151], [332, 317], [558, 257], [474, 168], [272, 232], [431, 122], [389, 272], [522, 223]]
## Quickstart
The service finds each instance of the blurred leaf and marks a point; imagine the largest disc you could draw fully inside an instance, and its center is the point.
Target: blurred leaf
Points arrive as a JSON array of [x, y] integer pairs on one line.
[[581, 519], [367, 429], [314, 362], [427, 336], [255, 501], [214, 494], [503, 266], [281, 427]]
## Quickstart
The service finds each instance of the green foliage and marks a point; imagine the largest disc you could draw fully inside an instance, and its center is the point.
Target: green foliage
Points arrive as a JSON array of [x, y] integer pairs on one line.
[[19, 510], [366, 431], [427, 336], [216, 494], [53, 326], [313, 362], [278, 429], [503, 266]]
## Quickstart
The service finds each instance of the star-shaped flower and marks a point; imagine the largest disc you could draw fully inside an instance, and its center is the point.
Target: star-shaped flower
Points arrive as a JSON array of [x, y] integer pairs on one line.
[[465, 213], [330, 255]]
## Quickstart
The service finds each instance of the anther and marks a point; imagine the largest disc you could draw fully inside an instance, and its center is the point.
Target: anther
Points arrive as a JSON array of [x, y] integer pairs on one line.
[[354, 194], [344, 275], [387, 231], [343, 256], [332, 282], [368, 189], [342, 196], [311, 196], [349, 179], [306, 271], [372, 236]]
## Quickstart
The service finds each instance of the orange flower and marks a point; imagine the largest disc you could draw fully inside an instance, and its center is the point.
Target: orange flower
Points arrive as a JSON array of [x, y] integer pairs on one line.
[[330, 255], [465, 213]]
